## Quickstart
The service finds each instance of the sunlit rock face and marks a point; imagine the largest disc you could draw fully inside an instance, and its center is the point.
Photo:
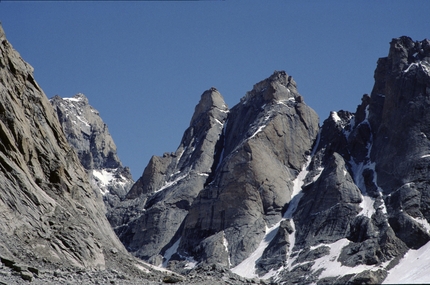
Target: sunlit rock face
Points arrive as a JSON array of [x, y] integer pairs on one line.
[[259, 190], [50, 215], [89, 136], [285, 199]]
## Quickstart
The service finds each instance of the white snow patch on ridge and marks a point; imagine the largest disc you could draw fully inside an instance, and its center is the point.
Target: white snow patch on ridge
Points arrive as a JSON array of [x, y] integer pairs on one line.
[[171, 183], [105, 177], [420, 64], [335, 116], [333, 268], [73, 99]]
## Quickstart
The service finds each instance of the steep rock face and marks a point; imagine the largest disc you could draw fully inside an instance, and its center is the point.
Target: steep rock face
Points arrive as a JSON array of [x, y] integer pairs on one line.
[[149, 218], [369, 203], [89, 136], [401, 154], [232, 175], [284, 202], [50, 215], [86, 132], [266, 141]]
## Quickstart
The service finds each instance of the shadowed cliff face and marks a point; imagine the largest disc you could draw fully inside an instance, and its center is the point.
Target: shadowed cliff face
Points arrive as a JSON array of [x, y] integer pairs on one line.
[[50, 216]]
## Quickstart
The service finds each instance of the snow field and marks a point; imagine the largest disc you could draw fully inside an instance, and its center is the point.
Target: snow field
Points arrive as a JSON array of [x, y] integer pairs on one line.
[[411, 267]]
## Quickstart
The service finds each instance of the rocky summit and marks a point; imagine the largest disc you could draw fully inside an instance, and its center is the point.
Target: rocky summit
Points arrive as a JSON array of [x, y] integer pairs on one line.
[[257, 193], [89, 136], [265, 192], [53, 228]]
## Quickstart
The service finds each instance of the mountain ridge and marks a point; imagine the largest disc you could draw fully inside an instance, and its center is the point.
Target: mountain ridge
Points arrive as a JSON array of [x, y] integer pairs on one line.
[[343, 176], [259, 190]]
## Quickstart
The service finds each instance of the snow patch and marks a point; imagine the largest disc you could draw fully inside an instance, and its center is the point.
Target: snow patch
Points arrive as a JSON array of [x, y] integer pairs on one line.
[[257, 131], [333, 268], [420, 64], [219, 122], [191, 263], [335, 117], [104, 177], [73, 99], [367, 206], [225, 243], [284, 102], [169, 252], [171, 183], [423, 222], [411, 268], [247, 267], [83, 121], [320, 170]]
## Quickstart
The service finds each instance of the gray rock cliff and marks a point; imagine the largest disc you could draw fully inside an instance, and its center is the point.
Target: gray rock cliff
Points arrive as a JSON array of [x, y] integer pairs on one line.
[[266, 141], [232, 175], [258, 193], [287, 201], [370, 198], [52, 222], [150, 218], [89, 136]]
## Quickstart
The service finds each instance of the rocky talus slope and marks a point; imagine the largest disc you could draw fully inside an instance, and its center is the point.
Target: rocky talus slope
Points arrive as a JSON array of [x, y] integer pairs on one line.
[[261, 190], [89, 136]]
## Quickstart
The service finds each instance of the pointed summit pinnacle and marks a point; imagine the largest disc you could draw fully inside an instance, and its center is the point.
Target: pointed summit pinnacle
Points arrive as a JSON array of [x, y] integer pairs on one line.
[[210, 99]]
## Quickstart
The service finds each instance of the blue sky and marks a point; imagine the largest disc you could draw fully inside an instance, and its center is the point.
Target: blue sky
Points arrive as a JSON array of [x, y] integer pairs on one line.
[[144, 64]]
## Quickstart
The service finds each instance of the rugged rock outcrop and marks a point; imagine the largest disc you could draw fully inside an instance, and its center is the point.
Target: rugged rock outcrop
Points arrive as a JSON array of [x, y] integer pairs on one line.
[[89, 136], [50, 217], [287, 200], [266, 141], [152, 214], [230, 178], [370, 201], [258, 190]]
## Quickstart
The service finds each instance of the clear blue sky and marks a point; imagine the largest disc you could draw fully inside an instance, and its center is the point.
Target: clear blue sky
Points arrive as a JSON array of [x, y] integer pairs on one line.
[[144, 65]]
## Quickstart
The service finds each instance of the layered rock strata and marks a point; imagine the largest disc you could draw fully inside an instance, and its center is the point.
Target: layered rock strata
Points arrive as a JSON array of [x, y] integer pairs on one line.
[[89, 136], [50, 217]]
